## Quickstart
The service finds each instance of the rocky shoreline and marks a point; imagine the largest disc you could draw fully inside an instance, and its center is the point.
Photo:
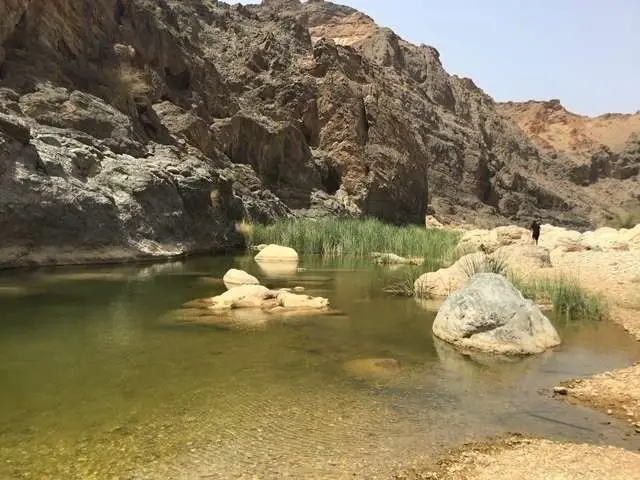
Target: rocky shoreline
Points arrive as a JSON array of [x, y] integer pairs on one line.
[[616, 393]]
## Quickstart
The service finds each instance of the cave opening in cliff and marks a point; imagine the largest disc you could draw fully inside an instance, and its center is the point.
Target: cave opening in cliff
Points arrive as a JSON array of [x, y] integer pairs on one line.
[[332, 180], [178, 81]]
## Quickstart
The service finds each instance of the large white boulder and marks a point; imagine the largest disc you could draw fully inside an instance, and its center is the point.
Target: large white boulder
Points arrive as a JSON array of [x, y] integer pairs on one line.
[[277, 253], [490, 315], [238, 295], [237, 278], [491, 240]]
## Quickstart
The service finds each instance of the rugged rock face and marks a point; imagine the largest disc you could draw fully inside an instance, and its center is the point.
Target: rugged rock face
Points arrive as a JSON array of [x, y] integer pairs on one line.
[[601, 153], [137, 128]]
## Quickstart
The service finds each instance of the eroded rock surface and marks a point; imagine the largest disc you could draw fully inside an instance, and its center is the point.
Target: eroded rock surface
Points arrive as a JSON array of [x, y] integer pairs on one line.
[[490, 315], [135, 129]]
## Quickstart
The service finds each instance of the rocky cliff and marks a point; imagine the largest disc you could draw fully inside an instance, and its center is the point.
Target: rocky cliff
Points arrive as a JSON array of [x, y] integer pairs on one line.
[[139, 128], [600, 153]]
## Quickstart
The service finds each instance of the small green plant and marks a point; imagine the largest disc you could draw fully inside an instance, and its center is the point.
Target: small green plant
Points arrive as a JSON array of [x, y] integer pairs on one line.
[[485, 263], [125, 81], [332, 238]]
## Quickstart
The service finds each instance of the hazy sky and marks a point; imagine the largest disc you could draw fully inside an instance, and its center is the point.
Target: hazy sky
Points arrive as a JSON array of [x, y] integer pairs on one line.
[[584, 52]]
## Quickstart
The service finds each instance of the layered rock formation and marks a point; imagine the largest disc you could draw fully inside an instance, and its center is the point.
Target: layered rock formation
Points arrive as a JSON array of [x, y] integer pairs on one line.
[[601, 153], [140, 128]]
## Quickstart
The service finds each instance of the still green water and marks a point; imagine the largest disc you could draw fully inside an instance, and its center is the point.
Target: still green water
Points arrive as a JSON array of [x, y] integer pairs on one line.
[[97, 381]]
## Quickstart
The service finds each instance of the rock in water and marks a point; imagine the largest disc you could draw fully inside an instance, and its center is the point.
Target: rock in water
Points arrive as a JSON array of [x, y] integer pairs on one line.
[[231, 298], [490, 315], [276, 253], [236, 278], [393, 259], [292, 300]]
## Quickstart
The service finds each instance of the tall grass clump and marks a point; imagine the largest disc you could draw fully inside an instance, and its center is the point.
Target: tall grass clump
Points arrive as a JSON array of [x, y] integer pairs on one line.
[[402, 284], [566, 295], [483, 263], [334, 237]]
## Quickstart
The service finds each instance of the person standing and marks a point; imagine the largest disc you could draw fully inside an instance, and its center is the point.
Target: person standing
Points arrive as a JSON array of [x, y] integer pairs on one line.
[[535, 231]]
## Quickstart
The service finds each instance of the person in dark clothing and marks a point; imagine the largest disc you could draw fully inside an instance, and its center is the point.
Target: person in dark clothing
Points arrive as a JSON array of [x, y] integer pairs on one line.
[[535, 231]]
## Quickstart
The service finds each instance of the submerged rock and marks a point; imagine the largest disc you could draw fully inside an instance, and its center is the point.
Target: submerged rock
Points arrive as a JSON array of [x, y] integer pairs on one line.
[[261, 301], [233, 298], [295, 301], [490, 315], [277, 253], [373, 368], [393, 259], [237, 278]]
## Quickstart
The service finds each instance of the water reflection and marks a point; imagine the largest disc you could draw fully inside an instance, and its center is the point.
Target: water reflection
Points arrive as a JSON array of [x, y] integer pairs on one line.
[[97, 382]]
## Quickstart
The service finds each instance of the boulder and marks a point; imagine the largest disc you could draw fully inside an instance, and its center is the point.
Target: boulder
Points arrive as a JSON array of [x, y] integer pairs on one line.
[[294, 301], [261, 298], [490, 240], [432, 222], [492, 316], [277, 253], [236, 278], [446, 280], [605, 239], [524, 257], [234, 297], [393, 259]]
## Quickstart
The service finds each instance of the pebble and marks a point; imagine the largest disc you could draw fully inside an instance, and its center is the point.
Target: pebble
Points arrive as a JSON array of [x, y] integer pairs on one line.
[[609, 412], [560, 390]]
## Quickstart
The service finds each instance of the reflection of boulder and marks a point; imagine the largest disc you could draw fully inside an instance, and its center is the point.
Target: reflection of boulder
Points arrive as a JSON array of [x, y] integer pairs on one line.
[[278, 269], [277, 261], [490, 315], [430, 304], [237, 278], [473, 365], [232, 319], [149, 272]]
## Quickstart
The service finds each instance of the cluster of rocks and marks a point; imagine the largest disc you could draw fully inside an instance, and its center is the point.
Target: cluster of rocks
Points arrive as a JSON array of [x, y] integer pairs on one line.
[[552, 238], [484, 311], [393, 259], [255, 302]]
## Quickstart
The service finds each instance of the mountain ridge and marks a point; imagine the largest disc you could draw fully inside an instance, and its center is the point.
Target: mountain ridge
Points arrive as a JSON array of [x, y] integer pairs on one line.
[[136, 129]]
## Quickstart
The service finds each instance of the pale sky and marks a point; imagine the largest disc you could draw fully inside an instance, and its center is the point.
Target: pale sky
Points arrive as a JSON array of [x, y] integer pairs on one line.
[[584, 52]]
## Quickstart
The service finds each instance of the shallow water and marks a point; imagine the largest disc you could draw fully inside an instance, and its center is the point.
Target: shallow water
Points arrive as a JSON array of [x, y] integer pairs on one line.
[[96, 381]]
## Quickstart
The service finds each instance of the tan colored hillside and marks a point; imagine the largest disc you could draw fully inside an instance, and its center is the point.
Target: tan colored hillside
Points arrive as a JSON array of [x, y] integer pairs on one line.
[[553, 127]]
